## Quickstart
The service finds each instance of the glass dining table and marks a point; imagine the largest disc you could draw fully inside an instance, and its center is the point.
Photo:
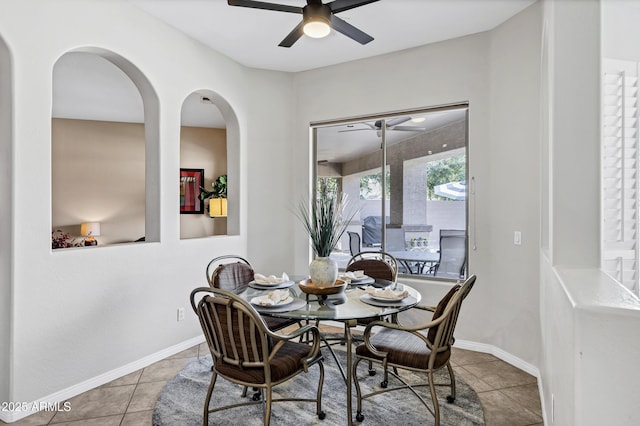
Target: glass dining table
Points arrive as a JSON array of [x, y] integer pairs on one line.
[[347, 307]]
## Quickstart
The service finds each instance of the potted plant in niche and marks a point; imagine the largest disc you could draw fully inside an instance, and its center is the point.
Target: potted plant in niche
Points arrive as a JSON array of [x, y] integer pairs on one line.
[[325, 221], [217, 197]]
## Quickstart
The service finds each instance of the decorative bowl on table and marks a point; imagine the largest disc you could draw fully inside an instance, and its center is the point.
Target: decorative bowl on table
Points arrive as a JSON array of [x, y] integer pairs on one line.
[[307, 286]]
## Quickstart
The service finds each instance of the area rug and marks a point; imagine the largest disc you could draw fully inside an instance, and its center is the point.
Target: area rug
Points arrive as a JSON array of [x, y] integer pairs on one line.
[[182, 400]]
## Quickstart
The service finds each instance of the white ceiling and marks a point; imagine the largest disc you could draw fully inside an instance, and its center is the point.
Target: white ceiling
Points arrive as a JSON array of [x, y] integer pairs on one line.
[[89, 87], [251, 36]]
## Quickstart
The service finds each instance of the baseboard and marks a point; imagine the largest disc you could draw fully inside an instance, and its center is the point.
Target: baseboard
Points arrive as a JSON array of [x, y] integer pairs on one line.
[[498, 353], [55, 399]]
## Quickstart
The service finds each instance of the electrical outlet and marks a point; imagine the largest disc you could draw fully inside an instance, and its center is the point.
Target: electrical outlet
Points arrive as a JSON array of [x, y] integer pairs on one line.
[[180, 314]]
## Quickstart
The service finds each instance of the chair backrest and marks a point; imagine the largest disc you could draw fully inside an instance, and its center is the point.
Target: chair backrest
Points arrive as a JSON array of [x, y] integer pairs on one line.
[[441, 335], [354, 242], [453, 232], [376, 264], [453, 256], [229, 275], [233, 329]]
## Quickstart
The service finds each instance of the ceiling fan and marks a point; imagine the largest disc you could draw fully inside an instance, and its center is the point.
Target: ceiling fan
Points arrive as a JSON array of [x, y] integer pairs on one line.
[[317, 18], [393, 124]]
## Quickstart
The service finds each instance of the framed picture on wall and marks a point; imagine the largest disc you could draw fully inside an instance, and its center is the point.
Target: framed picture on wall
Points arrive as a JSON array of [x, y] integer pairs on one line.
[[190, 182]]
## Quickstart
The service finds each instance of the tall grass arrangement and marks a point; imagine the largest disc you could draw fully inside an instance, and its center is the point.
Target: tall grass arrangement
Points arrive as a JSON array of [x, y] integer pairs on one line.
[[325, 220]]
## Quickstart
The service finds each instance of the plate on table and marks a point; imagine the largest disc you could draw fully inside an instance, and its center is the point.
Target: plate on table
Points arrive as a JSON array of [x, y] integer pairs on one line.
[[407, 301], [387, 299], [387, 295], [263, 301], [268, 285]]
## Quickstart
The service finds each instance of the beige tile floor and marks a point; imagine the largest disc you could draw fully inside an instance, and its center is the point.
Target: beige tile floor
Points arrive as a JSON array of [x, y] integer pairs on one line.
[[508, 395]]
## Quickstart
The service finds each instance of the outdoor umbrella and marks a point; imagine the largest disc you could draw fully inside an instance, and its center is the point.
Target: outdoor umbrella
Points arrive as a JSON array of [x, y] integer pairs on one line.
[[454, 190]]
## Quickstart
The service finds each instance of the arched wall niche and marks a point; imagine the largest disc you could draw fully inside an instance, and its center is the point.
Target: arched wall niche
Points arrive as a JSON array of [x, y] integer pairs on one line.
[[121, 118], [6, 216], [209, 140]]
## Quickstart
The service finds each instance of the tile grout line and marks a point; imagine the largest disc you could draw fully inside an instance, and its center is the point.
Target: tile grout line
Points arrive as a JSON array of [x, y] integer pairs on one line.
[[132, 394]]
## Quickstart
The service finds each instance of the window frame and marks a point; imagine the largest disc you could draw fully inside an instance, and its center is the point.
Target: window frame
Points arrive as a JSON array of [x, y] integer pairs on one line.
[[314, 126]]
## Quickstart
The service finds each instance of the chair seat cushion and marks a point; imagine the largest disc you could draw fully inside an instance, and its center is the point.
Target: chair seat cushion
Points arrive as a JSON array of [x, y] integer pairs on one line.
[[286, 363], [404, 349]]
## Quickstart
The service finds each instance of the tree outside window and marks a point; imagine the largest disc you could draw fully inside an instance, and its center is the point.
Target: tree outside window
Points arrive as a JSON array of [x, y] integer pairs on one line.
[[452, 169]]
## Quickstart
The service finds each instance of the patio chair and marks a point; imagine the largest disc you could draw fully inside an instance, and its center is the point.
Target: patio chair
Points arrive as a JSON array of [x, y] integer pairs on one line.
[[424, 348], [235, 277], [246, 352], [354, 242], [453, 255], [453, 232]]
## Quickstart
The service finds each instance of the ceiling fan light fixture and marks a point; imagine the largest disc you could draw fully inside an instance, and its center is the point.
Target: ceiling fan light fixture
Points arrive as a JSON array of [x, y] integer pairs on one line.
[[316, 28], [418, 119]]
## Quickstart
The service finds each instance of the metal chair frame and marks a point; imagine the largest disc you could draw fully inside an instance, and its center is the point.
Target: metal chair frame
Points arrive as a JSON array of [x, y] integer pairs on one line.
[[255, 346], [442, 342]]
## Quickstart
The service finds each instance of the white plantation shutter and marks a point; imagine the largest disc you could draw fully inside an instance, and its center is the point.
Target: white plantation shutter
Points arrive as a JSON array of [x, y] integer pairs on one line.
[[620, 172]]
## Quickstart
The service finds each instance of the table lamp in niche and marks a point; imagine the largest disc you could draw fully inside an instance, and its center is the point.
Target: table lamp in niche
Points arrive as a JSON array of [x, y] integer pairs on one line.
[[217, 197], [90, 230]]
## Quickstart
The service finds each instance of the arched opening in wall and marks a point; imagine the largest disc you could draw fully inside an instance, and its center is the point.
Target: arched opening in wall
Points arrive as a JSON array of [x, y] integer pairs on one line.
[[204, 206], [104, 151]]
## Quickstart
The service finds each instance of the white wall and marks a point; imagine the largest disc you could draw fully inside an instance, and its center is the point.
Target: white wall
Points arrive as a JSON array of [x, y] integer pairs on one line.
[[589, 323], [510, 192], [79, 314], [620, 30], [478, 69], [6, 217]]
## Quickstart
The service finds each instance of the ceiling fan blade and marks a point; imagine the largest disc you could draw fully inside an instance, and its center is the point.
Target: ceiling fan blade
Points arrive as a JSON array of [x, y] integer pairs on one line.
[[349, 30], [293, 36], [398, 120], [338, 6], [409, 128], [265, 5]]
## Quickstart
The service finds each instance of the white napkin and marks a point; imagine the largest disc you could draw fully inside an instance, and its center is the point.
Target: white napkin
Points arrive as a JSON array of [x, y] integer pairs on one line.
[[352, 275], [274, 297], [386, 293], [271, 279]]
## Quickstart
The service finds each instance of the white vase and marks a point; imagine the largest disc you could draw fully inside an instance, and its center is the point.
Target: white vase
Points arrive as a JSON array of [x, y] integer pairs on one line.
[[323, 271]]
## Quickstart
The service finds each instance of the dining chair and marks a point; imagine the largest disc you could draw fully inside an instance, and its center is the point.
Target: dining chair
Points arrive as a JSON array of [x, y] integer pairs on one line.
[[246, 352], [376, 264], [234, 273], [424, 348], [379, 265]]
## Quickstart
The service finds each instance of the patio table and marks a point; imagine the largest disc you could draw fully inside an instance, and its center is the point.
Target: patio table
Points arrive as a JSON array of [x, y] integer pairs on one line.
[[418, 257]]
